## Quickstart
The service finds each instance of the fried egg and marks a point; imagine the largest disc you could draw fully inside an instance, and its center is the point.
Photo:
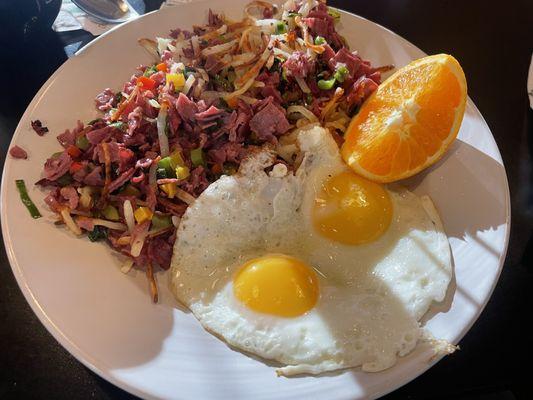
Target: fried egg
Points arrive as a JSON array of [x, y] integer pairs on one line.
[[318, 269]]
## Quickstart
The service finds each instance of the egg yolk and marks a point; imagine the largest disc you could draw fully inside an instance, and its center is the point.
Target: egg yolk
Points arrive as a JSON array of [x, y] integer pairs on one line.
[[352, 210], [278, 285]]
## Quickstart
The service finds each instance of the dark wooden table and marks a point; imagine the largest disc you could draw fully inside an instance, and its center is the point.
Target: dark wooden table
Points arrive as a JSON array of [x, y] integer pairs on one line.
[[494, 43]]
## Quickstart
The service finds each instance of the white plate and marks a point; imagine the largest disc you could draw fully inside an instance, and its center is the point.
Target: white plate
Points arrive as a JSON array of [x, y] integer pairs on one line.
[[106, 319]]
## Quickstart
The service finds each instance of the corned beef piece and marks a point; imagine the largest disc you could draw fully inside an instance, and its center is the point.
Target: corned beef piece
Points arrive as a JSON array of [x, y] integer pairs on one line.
[[38, 127], [18, 152]]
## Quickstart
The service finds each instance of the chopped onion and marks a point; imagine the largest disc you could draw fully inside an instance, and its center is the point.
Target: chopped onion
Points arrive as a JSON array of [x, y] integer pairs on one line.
[[215, 33], [220, 48], [253, 71], [162, 44], [198, 88], [267, 25], [184, 196], [282, 46], [260, 5], [195, 45], [212, 94], [116, 226], [67, 218], [188, 84], [124, 240], [171, 48], [305, 33], [154, 103], [270, 62], [203, 74], [307, 6], [161, 127], [126, 267], [303, 85], [128, 215], [152, 172], [248, 99], [308, 114], [176, 221], [178, 48], [85, 196], [80, 212], [240, 91], [241, 59], [331, 103], [279, 52], [138, 242], [150, 46]]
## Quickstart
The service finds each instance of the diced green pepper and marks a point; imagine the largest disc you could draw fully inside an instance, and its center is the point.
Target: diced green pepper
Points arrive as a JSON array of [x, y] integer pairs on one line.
[[119, 125], [309, 98], [169, 165], [25, 198], [94, 121], [98, 233], [118, 97], [56, 155], [111, 213], [334, 13], [150, 71], [284, 74], [188, 70], [166, 164], [65, 180], [341, 73], [161, 173], [197, 157], [82, 142], [326, 84], [281, 28], [161, 221], [320, 40]]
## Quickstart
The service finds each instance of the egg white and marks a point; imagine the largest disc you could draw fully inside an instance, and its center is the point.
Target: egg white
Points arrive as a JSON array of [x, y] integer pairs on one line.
[[371, 296]]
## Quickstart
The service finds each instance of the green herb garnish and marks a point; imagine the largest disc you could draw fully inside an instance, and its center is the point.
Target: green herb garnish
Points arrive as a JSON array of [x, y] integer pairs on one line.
[[25, 198]]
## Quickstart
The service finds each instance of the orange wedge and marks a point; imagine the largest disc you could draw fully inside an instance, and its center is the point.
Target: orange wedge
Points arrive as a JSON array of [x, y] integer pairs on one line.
[[409, 121]]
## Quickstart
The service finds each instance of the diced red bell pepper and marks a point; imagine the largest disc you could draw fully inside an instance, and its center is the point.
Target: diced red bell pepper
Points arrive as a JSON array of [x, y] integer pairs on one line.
[[125, 155], [145, 83], [75, 167]]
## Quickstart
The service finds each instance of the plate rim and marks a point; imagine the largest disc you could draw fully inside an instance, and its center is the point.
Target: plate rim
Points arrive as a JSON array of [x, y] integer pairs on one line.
[[86, 359]]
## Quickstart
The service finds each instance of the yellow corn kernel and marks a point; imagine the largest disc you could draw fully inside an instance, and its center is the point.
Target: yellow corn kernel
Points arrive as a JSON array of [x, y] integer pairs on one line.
[[178, 80], [182, 172], [170, 189], [142, 214]]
